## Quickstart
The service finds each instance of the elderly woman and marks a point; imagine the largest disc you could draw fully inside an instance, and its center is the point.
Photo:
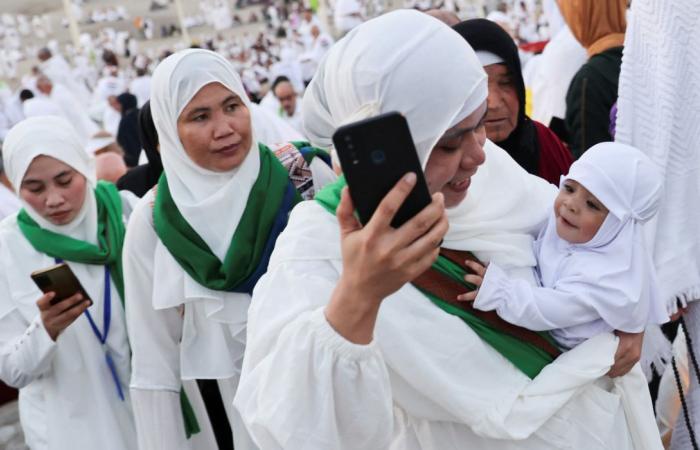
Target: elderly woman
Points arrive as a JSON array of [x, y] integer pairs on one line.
[[531, 144], [346, 352], [198, 243], [600, 28], [69, 359]]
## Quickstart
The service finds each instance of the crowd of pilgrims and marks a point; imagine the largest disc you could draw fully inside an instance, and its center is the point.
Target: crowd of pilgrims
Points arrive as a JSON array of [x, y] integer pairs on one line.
[[232, 299]]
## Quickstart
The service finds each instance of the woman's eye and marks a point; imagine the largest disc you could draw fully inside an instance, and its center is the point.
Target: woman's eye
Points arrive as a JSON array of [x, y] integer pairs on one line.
[[231, 107], [199, 118], [568, 188]]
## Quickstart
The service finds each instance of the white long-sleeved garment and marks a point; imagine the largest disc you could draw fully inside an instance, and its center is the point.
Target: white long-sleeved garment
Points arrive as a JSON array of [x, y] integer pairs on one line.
[[541, 308], [157, 337], [68, 399], [425, 382]]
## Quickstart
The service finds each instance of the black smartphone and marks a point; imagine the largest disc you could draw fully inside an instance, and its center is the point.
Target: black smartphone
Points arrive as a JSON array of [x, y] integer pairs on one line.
[[59, 279], [375, 154]]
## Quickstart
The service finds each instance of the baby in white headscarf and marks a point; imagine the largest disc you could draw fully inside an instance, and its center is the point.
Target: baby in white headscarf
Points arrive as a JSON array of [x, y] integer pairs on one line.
[[594, 269]]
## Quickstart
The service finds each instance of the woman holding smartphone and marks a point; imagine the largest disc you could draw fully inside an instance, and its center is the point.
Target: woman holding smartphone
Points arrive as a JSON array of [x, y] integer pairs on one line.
[[69, 358], [344, 351], [197, 244]]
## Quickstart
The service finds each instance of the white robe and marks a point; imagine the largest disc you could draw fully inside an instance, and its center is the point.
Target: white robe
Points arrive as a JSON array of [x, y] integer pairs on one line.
[[425, 382], [156, 361], [9, 203], [67, 398]]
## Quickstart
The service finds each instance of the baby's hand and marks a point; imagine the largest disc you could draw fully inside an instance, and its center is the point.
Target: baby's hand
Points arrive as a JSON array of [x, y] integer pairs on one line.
[[476, 279]]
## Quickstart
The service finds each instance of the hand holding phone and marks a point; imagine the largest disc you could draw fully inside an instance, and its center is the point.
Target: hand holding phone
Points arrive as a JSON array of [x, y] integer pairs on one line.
[[57, 316], [379, 259], [375, 154], [64, 298]]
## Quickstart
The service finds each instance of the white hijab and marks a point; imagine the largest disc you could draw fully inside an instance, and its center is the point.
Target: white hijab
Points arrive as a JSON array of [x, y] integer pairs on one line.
[[211, 202], [359, 79], [616, 260], [55, 137], [505, 207]]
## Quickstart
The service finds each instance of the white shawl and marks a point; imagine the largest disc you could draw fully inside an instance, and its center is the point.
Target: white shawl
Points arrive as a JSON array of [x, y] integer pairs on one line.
[[658, 105]]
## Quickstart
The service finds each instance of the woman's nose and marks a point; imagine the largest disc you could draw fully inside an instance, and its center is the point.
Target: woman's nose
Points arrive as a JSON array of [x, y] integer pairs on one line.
[[54, 199], [222, 127]]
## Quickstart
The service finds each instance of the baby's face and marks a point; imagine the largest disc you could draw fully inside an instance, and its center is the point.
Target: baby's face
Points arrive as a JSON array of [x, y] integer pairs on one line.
[[579, 213]]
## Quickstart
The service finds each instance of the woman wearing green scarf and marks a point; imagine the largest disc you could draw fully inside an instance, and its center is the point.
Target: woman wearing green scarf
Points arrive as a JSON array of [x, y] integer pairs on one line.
[[69, 360], [197, 244]]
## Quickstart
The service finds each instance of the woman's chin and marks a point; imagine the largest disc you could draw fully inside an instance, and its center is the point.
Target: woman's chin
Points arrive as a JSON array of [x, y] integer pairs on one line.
[[453, 198]]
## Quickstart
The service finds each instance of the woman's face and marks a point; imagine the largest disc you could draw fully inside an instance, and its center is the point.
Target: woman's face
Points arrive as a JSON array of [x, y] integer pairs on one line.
[[215, 129], [53, 189], [456, 157], [503, 102]]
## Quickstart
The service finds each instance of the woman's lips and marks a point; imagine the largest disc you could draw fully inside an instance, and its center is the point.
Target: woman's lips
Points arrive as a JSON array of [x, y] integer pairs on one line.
[[58, 216], [460, 186], [228, 150]]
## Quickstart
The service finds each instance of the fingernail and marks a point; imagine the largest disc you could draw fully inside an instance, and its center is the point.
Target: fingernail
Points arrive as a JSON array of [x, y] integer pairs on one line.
[[440, 197], [409, 178]]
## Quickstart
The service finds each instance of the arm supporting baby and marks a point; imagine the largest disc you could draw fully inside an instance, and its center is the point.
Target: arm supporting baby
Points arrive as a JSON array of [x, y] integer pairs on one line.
[[538, 308]]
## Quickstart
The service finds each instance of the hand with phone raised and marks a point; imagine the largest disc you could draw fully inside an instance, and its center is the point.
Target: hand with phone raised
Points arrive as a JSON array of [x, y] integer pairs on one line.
[[56, 317], [379, 259]]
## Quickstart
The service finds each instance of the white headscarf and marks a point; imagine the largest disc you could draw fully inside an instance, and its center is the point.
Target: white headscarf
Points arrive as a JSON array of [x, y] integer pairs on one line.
[[616, 259], [505, 206], [359, 79], [55, 137], [211, 202]]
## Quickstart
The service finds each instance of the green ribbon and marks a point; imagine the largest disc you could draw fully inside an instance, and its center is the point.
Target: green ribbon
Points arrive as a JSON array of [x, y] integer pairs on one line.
[[527, 357], [107, 252], [110, 237], [248, 241]]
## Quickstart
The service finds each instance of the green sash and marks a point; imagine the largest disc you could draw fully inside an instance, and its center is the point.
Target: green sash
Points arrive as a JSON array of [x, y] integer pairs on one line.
[[249, 241], [110, 238], [527, 357]]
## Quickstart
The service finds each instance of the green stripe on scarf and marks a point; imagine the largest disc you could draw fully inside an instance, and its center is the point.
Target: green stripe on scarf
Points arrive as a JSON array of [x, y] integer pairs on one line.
[[249, 239], [110, 237], [108, 252], [525, 356]]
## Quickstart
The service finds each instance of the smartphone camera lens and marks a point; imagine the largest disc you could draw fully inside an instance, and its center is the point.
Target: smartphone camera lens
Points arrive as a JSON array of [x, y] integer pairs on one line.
[[378, 157]]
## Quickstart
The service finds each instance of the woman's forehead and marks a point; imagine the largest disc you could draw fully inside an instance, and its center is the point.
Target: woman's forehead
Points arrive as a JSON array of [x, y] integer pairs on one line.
[[211, 94], [45, 167]]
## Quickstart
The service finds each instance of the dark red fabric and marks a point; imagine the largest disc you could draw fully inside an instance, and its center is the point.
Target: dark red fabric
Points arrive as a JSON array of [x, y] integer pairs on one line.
[[555, 159]]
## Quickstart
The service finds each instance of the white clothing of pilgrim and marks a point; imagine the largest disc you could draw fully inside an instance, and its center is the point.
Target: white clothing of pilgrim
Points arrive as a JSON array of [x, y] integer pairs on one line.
[[426, 381], [556, 66], [74, 111], [58, 70], [605, 284], [141, 88], [295, 120], [659, 96], [67, 397], [9, 203], [271, 128], [347, 14], [41, 105], [207, 341]]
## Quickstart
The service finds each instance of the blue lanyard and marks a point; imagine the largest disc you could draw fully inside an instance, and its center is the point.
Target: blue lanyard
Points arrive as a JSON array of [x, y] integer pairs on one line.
[[102, 337]]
